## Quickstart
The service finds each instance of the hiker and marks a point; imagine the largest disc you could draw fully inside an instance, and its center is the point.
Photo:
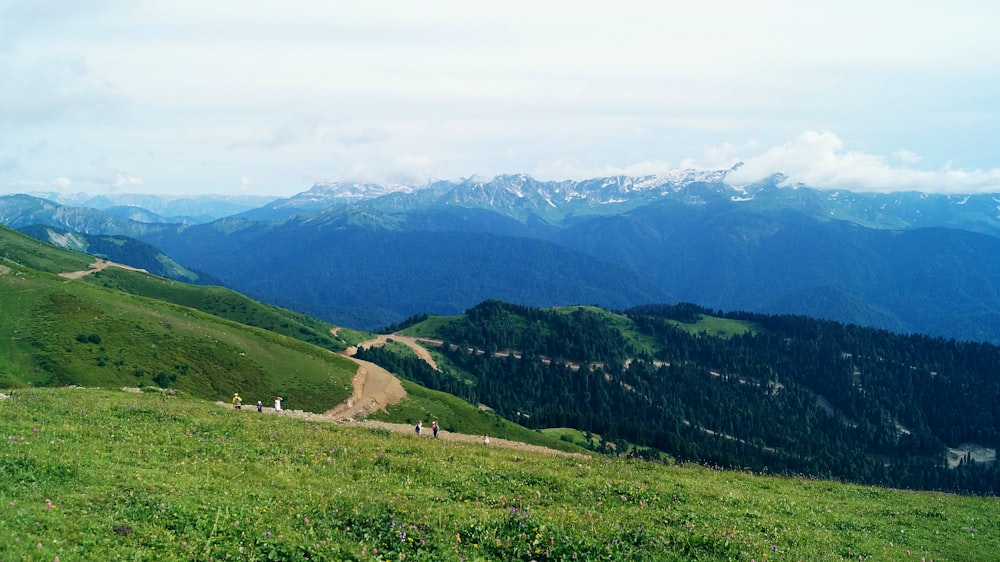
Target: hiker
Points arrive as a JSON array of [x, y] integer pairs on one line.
[[260, 406], [486, 439], [277, 404], [237, 401], [420, 426], [434, 428]]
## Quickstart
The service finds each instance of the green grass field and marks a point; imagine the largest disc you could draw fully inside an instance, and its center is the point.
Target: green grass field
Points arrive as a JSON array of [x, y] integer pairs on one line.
[[717, 327], [107, 475]]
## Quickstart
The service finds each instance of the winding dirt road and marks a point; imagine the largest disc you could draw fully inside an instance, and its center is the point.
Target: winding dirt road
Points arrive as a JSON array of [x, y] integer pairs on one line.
[[375, 388]]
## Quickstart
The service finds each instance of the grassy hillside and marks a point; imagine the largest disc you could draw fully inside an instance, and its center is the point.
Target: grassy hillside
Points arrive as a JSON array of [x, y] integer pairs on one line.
[[55, 331], [108, 475], [24, 250], [221, 302], [29, 252]]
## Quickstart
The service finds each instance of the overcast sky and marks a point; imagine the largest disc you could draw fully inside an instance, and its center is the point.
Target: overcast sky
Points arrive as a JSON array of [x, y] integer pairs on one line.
[[270, 97]]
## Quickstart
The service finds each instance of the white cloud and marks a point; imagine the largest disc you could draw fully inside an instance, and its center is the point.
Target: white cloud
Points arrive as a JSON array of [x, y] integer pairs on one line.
[[351, 134], [56, 89], [272, 138], [123, 180], [906, 157], [558, 170], [8, 164], [819, 159], [413, 169], [60, 183]]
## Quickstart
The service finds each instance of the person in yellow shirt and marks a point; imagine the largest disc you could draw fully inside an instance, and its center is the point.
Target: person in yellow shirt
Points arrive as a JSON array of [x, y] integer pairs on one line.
[[237, 401]]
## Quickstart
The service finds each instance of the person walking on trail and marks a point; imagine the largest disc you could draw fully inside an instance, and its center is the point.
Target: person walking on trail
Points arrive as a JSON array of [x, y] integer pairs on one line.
[[486, 439], [260, 406], [277, 404], [434, 428], [237, 401], [419, 428]]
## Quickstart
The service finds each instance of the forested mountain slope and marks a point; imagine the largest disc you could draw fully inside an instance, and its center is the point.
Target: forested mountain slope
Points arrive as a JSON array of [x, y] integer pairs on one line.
[[786, 394]]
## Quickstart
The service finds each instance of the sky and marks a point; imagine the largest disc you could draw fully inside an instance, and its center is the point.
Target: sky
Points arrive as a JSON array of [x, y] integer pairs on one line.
[[264, 97]]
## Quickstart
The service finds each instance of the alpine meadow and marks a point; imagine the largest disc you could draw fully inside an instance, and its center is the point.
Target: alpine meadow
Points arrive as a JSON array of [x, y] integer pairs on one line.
[[666, 432]]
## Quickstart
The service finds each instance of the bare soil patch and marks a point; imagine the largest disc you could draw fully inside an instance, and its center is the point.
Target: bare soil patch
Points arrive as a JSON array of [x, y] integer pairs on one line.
[[374, 389], [98, 265]]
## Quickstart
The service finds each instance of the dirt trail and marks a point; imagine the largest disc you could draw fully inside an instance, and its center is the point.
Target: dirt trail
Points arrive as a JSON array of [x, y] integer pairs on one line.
[[374, 389], [410, 341], [445, 436], [98, 265]]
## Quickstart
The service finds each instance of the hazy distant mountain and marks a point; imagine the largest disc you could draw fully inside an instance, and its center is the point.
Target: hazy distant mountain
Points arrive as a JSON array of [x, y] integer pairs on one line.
[[365, 255], [19, 211], [193, 209], [120, 249]]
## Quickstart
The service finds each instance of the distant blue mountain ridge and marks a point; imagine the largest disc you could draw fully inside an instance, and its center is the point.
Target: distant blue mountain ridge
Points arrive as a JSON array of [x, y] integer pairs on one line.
[[367, 255]]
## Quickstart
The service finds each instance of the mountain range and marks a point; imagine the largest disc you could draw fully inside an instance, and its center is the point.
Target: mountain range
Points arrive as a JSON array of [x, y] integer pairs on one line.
[[367, 255]]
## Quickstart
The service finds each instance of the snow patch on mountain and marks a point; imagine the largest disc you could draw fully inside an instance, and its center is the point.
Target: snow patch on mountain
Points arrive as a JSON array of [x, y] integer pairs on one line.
[[353, 191]]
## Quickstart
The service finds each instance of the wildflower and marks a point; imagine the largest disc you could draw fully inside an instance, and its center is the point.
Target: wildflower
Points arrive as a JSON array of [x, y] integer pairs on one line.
[[267, 534], [305, 520]]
